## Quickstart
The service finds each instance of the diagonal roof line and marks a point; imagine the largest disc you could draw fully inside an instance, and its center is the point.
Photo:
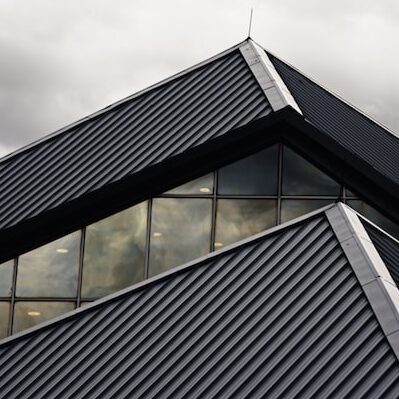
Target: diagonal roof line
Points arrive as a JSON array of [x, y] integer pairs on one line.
[[371, 272], [332, 93], [196, 262], [120, 102], [269, 80], [375, 226], [367, 265]]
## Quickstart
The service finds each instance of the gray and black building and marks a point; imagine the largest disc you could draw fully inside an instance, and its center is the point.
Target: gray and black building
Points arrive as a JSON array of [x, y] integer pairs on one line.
[[229, 232]]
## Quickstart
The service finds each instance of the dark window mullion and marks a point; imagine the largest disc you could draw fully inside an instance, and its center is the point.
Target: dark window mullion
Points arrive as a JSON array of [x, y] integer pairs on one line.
[[279, 181], [148, 239], [80, 272], [214, 210], [13, 291]]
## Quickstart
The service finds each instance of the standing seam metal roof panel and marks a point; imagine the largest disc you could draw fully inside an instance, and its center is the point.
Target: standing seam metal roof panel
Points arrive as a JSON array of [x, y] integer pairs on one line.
[[282, 315], [168, 120], [353, 130], [387, 247]]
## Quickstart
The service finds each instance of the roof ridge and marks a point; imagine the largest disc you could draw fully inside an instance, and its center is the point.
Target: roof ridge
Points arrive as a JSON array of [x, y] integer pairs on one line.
[[118, 103], [196, 262], [370, 270], [338, 96], [269, 80]]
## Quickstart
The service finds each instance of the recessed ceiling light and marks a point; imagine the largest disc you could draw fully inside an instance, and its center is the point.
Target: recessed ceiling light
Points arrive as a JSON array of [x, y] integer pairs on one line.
[[34, 313], [218, 244], [205, 190], [157, 234], [62, 250]]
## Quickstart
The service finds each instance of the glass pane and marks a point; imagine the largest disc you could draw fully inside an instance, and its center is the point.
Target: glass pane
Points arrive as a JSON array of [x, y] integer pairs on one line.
[[6, 272], [237, 219], [180, 231], [4, 315], [51, 270], [254, 175], [291, 209], [114, 252], [28, 314], [202, 185], [376, 217], [302, 178]]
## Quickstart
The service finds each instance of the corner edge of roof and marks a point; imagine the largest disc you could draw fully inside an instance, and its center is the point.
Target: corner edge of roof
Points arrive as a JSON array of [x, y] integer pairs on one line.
[[196, 262], [271, 83], [370, 270], [339, 97]]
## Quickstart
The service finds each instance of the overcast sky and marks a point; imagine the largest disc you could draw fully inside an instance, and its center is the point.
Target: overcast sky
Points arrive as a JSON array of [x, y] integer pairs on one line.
[[61, 60]]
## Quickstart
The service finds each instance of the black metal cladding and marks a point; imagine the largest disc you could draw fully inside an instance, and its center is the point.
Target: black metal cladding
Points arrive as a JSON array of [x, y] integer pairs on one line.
[[280, 316], [387, 247], [161, 123], [350, 128]]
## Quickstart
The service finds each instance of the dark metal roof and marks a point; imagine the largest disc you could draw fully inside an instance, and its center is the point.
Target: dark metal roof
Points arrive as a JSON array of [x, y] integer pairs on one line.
[[387, 247], [54, 177], [193, 108], [280, 315], [353, 130]]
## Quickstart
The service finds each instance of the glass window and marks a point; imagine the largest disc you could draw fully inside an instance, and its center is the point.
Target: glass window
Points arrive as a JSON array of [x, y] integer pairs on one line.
[[180, 232], [302, 178], [115, 252], [374, 216], [200, 186], [6, 272], [254, 175], [28, 314], [291, 209], [240, 218], [51, 270], [4, 316]]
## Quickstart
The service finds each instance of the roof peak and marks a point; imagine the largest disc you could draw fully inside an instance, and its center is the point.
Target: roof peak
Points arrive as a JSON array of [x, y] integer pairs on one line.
[[269, 80]]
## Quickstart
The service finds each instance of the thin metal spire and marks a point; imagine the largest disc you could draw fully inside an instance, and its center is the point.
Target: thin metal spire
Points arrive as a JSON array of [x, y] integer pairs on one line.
[[250, 22]]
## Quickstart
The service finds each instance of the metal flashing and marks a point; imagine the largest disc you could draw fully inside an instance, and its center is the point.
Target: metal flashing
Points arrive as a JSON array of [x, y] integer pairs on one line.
[[268, 78], [371, 272]]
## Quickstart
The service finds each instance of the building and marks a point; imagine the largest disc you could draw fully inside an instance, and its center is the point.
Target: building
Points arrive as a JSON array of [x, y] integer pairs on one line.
[[234, 146]]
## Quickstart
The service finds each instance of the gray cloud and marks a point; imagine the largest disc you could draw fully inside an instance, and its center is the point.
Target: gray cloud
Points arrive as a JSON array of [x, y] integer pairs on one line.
[[63, 60]]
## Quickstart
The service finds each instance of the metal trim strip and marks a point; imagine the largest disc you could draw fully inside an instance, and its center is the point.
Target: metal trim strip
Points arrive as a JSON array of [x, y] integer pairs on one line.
[[371, 272], [268, 78]]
